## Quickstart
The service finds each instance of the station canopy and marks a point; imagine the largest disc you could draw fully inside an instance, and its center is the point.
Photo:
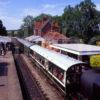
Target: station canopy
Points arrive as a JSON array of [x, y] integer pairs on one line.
[[5, 39], [62, 61], [38, 39], [25, 42], [34, 38], [78, 49]]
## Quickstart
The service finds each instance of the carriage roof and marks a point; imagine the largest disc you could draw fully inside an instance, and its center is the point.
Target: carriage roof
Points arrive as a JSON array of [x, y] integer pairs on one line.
[[79, 49], [25, 42], [62, 61]]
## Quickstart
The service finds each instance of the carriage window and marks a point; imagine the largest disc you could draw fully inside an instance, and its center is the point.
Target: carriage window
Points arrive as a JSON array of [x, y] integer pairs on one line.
[[56, 71], [72, 55], [40, 58], [63, 52], [39, 43]]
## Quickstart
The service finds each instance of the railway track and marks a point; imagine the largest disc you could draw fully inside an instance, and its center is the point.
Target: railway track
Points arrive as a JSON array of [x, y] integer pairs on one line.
[[30, 87]]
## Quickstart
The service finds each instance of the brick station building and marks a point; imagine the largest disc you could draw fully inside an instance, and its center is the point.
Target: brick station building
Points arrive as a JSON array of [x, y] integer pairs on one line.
[[49, 30]]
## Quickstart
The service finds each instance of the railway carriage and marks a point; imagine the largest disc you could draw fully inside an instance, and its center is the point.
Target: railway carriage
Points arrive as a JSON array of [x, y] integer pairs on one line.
[[62, 70], [73, 77], [24, 46]]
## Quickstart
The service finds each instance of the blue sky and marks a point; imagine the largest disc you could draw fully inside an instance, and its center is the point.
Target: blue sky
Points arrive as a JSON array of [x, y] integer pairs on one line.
[[12, 12]]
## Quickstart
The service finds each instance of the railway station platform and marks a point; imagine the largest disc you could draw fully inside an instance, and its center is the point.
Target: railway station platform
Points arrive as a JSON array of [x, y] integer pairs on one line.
[[9, 83]]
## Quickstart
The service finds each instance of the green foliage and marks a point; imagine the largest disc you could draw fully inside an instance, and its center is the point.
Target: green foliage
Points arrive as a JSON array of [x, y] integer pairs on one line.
[[94, 39], [3, 31], [81, 21], [27, 26], [95, 61], [41, 16], [20, 33]]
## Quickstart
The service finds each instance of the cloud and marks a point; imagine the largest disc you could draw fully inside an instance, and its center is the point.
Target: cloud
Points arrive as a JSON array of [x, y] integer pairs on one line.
[[30, 11], [11, 22], [3, 7], [49, 6], [51, 9], [8, 21], [4, 3], [14, 22], [98, 7]]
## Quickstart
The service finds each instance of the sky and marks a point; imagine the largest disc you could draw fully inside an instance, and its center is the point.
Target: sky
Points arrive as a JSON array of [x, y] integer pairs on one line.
[[12, 12]]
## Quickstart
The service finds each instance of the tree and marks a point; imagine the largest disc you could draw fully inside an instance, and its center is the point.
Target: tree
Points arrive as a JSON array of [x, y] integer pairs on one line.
[[41, 16], [3, 31], [94, 40], [67, 19], [27, 25], [89, 20], [81, 21], [20, 33]]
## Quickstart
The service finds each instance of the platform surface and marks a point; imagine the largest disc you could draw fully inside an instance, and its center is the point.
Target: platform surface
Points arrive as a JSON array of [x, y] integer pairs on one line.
[[9, 82]]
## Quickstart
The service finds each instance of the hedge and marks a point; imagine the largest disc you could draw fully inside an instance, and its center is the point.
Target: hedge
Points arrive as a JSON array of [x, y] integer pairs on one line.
[[95, 61]]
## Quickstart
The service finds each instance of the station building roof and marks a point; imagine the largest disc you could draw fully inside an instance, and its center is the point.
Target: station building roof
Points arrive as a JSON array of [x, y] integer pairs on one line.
[[5, 39], [24, 42], [55, 37], [78, 49], [62, 61]]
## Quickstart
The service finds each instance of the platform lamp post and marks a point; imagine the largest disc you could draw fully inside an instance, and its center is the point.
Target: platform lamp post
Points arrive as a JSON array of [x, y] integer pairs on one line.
[[25, 31]]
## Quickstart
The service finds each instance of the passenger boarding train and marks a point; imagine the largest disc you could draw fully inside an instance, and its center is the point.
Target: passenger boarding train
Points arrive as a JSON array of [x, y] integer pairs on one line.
[[73, 77]]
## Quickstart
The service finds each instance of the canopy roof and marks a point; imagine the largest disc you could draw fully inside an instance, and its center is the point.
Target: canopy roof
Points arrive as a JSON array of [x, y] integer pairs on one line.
[[38, 39], [24, 42], [62, 61], [5, 39], [34, 38], [79, 49]]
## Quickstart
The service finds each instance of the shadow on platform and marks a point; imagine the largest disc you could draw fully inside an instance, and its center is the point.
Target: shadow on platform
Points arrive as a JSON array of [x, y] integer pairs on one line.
[[3, 69]]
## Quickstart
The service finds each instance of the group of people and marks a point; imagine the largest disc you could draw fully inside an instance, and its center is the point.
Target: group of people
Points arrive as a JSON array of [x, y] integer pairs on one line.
[[58, 74], [4, 47]]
